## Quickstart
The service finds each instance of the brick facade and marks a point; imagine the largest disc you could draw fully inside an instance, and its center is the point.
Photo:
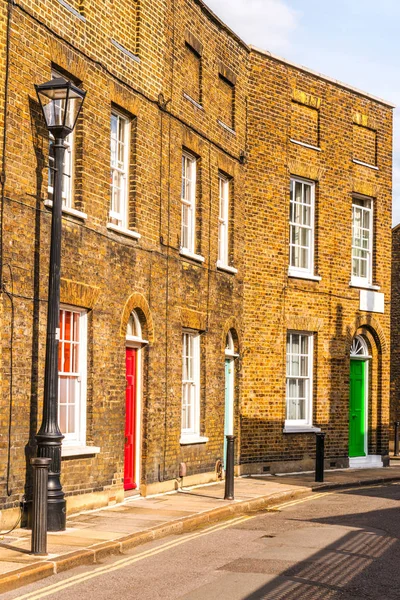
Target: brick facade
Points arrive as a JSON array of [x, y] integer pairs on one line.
[[186, 83], [309, 121]]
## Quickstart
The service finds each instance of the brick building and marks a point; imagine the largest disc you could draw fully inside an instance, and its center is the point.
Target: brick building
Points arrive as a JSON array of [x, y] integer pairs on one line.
[[175, 272], [317, 270]]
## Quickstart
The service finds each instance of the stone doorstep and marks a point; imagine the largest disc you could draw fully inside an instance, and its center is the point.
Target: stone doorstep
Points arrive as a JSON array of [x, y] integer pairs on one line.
[[44, 568]]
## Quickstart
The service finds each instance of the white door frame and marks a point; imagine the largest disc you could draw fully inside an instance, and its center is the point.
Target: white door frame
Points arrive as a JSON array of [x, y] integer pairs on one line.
[[138, 343]]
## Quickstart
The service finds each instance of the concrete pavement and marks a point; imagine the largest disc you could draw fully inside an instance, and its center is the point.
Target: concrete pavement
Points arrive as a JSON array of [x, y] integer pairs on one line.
[[93, 535]]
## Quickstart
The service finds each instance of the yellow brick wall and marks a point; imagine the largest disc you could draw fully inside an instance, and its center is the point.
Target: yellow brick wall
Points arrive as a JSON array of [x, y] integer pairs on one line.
[[329, 308], [106, 272], [364, 144], [110, 274], [305, 124]]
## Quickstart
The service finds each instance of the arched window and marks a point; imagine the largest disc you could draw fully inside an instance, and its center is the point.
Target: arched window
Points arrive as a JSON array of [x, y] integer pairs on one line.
[[230, 346], [134, 330], [359, 348]]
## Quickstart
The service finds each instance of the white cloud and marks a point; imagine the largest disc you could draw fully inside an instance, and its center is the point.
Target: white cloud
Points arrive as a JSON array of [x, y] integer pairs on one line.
[[267, 24]]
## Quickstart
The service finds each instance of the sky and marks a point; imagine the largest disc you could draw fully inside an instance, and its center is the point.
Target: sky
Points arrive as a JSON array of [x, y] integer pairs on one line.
[[355, 41]]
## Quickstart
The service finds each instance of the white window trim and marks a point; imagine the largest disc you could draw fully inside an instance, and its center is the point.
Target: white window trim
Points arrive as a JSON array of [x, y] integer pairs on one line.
[[187, 254], [185, 440], [192, 435], [194, 102], [223, 219], [299, 275], [364, 282], [80, 441], [230, 347], [191, 204], [364, 164], [123, 231], [135, 341], [79, 450], [295, 425], [227, 268], [305, 145], [365, 286], [67, 210], [226, 127], [300, 429], [298, 271], [122, 216]]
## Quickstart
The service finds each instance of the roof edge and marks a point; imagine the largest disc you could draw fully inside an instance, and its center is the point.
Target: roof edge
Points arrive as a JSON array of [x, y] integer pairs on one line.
[[221, 24], [322, 76]]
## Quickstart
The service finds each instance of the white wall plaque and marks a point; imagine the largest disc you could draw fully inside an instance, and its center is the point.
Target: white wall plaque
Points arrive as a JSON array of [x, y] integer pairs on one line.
[[372, 301]]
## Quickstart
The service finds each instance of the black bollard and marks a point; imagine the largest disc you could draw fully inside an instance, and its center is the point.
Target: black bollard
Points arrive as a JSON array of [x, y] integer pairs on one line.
[[396, 438], [319, 456], [39, 505], [230, 467]]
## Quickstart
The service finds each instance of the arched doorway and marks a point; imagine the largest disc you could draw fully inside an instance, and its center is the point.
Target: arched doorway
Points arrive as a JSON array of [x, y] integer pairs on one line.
[[230, 356], [359, 405], [133, 402]]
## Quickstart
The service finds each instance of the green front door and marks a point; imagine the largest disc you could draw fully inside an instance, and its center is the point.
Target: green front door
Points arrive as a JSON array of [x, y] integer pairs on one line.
[[358, 371]]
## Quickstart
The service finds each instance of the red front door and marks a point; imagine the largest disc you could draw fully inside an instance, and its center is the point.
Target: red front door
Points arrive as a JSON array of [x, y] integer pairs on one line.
[[130, 420]]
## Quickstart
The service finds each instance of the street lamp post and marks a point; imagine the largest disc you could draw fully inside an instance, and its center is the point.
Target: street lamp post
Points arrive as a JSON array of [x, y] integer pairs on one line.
[[61, 102]]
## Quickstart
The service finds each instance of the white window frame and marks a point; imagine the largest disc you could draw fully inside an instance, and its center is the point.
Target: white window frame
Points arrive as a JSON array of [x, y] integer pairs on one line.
[[191, 386], [120, 217], [355, 280], [224, 184], [78, 438], [295, 270], [307, 421], [134, 340], [188, 202], [68, 164]]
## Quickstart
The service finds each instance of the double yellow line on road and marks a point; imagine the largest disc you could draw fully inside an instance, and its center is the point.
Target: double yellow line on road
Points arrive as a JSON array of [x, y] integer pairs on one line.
[[125, 562]]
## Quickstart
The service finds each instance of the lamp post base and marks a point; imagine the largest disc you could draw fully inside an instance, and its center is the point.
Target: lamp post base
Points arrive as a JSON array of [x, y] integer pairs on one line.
[[56, 515]]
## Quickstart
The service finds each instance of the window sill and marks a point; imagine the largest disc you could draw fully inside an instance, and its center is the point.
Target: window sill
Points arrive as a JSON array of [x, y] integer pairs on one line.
[[188, 254], [125, 51], [305, 145], [301, 429], [226, 127], [227, 268], [190, 99], [192, 439], [72, 10], [67, 210], [300, 275], [123, 231], [79, 450], [363, 164], [364, 286]]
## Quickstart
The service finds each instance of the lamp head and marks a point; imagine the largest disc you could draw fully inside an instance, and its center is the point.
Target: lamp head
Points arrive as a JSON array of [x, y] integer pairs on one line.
[[61, 103]]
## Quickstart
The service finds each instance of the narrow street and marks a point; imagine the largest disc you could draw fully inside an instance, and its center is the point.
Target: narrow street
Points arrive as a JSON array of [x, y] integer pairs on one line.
[[340, 545]]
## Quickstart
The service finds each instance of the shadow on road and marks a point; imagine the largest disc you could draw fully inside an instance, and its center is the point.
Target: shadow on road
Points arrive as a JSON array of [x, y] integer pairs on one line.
[[362, 564]]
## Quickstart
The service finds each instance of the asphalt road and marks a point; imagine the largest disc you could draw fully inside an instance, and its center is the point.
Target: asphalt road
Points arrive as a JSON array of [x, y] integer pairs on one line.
[[335, 545]]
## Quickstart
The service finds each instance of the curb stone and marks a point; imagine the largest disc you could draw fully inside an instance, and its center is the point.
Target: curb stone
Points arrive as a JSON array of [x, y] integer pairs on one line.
[[96, 552], [25, 575], [354, 484]]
